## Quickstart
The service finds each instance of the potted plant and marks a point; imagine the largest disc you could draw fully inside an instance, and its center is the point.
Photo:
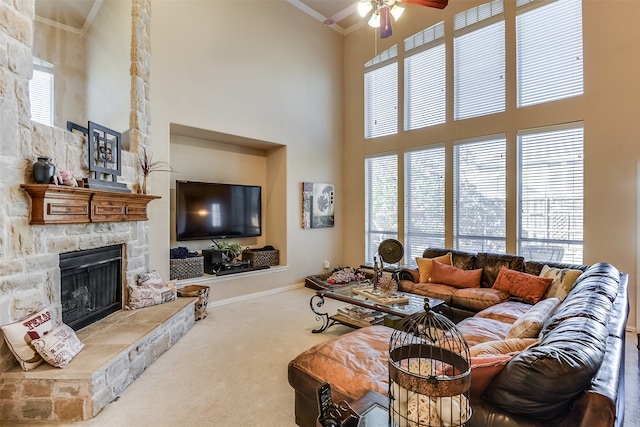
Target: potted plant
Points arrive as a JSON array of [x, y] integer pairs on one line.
[[230, 250]]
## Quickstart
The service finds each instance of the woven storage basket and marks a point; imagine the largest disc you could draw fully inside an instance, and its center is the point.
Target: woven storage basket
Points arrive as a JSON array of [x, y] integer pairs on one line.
[[260, 258], [186, 268]]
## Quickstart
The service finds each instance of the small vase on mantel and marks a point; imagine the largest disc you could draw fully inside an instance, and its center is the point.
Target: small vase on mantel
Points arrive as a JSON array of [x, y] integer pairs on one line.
[[144, 187], [43, 170]]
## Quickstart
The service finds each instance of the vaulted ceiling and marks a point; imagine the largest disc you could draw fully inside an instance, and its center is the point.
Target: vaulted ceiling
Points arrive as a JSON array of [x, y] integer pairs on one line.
[[76, 14]]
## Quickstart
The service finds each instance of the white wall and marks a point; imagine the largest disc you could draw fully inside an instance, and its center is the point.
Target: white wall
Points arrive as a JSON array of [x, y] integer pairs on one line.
[[262, 70]]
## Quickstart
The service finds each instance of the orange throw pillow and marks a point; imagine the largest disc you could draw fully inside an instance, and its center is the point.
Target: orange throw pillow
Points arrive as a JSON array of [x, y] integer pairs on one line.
[[528, 287], [425, 266], [484, 368], [454, 276]]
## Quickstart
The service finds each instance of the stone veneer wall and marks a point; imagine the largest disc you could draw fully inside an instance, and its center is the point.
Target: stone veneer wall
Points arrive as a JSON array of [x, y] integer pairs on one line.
[[29, 271]]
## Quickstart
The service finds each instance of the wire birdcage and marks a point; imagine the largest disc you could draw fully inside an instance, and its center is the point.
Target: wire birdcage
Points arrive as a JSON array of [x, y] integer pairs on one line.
[[429, 373]]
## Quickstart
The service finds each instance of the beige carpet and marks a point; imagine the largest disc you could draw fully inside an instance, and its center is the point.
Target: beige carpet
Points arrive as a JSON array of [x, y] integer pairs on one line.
[[231, 369]]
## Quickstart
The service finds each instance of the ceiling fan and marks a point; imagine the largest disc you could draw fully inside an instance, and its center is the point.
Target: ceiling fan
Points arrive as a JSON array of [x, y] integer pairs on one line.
[[381, 12]]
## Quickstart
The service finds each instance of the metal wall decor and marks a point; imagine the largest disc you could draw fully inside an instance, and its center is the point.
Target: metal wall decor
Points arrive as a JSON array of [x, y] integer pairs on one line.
[[105, 160]]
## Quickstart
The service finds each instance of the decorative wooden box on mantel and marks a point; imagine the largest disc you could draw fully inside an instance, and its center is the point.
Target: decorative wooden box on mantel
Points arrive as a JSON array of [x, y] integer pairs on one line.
[[59, 204]]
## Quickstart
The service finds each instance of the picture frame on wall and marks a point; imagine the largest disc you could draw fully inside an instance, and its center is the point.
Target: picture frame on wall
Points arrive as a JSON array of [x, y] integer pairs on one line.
[[317, 205]]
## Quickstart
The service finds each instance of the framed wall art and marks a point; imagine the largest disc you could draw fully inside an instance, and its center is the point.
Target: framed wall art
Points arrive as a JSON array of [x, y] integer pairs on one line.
[[317, 205]]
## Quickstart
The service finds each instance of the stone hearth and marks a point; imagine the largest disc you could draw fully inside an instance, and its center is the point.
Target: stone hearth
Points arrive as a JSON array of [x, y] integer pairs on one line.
[[117, 350]]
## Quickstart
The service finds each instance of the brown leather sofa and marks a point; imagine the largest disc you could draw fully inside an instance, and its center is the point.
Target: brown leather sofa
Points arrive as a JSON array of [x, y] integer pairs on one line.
[[573, 377]]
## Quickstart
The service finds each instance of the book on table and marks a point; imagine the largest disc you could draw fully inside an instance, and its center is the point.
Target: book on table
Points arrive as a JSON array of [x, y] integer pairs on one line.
[[361, 314]]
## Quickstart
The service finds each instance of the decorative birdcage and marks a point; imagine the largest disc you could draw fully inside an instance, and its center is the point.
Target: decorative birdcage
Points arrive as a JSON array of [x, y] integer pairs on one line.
[[429, 373]]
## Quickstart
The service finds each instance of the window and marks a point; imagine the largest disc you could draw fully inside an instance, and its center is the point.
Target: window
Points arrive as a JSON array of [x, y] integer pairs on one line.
[[424, 201], [381, 95], [551, 184], [549, 51], [41, 92], [381, 202], [479, 61], [480, 195], [425, 93]]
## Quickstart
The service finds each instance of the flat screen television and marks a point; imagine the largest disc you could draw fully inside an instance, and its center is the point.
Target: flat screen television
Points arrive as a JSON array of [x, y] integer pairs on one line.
[[207, 210]]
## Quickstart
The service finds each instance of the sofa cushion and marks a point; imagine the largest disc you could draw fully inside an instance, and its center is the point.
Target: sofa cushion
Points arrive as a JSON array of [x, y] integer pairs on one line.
[[563, 279], [491, 263], [425, 266], [529, 325], [509, 345], [476, 299], [477, 330], [542, 381], [507, 312], [432, 290], [461, 259], [589, 305], [454, 276], [522, 285]]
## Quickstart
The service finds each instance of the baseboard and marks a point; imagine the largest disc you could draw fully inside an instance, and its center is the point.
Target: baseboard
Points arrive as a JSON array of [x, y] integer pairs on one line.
[[256, 295]]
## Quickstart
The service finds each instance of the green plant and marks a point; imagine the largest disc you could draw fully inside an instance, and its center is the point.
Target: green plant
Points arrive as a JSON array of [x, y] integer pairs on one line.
[[231, 250]]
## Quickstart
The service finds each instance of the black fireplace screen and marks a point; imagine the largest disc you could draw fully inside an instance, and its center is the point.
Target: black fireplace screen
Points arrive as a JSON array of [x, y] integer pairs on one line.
[[91, 285]]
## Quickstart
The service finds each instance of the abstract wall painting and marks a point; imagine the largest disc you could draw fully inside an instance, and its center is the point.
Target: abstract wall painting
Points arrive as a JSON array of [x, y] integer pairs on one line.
[[317, 205]]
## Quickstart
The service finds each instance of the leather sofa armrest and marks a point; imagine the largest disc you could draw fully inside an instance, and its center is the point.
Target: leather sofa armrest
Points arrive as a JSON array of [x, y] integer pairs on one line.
[[411, 274]]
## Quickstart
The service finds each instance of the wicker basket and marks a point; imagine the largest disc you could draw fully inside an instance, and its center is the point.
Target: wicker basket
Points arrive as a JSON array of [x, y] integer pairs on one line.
[[186, 268], [259, 258]]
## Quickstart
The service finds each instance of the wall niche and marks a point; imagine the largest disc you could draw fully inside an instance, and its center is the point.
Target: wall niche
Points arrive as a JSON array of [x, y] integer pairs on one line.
[[210, 156]]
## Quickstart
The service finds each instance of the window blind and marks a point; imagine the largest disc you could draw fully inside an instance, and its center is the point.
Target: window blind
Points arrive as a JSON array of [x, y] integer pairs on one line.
[[549, 54], [381, 95], [425, 78], [480, 195], [479, 61], [424, 198], [551, 189], [41, 92], [381, 202]]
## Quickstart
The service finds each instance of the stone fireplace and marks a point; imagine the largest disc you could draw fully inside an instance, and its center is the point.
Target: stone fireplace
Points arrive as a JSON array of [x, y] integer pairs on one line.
[[30, 274]]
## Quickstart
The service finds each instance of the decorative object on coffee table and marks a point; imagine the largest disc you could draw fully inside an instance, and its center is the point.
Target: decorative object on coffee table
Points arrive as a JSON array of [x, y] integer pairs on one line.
[[429, 372], [317, 205]]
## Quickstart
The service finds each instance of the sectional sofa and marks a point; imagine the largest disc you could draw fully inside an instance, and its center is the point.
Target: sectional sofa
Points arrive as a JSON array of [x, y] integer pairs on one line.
[[554, 333]]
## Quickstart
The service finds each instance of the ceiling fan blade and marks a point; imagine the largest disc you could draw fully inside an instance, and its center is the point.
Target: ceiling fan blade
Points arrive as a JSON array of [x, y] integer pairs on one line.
[[342, 14], [438, 4], [385, 23]]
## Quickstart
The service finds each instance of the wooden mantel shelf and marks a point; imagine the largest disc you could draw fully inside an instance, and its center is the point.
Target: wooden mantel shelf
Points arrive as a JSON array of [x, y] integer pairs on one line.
[[59, 204]]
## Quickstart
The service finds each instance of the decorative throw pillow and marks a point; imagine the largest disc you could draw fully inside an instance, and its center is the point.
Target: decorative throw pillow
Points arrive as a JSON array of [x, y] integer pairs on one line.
[[530, 325], [425, 266], [59, 346], [150, 278], [563, 280], [19, 337], [505, 346], [151, 290], [525, 286], [454, 276], [484, 368]]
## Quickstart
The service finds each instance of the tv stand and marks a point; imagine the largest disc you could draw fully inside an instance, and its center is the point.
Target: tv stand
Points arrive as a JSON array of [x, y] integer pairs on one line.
[[241, 270]]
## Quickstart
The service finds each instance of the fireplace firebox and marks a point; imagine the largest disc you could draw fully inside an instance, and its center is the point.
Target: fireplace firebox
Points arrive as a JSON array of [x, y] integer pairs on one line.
[[91, 285]]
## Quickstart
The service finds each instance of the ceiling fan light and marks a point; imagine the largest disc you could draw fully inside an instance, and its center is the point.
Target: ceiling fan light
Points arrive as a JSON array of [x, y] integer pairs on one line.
[[375, 20], [364, 7], [396, 11]]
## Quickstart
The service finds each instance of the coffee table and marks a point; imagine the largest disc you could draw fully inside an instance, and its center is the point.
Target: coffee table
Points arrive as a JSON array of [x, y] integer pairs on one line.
[[352, 294]]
